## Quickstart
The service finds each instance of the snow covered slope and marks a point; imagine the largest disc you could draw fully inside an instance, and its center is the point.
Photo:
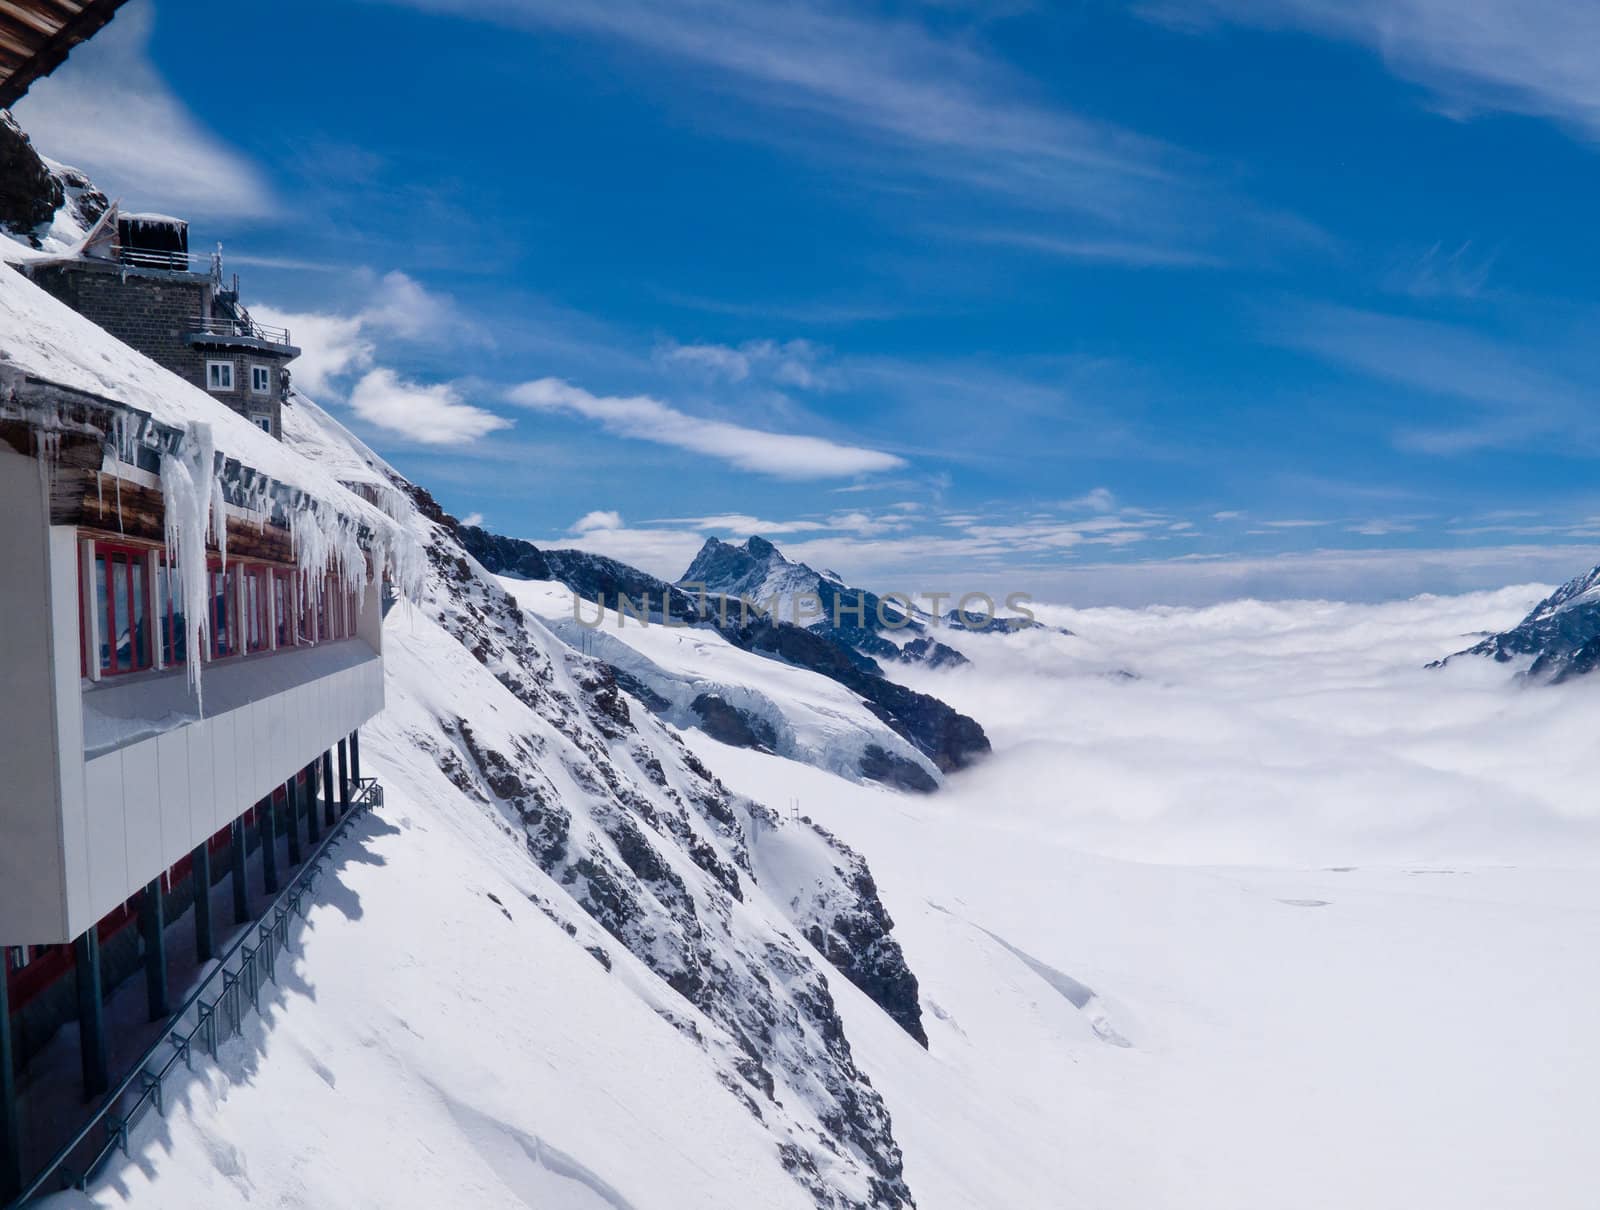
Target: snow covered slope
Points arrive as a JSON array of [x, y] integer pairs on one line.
[[1139, 982], [568, 817], [696, 678]]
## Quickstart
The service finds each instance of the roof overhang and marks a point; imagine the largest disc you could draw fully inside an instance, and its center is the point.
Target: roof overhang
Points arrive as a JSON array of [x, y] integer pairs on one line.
[[37, 35]]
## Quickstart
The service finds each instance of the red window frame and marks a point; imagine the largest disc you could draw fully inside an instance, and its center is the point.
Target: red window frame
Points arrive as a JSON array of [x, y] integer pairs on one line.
[[219, 582], [136, 559], [256, 611], [284, 615], [308, 610], [171, 635], [325, 614]]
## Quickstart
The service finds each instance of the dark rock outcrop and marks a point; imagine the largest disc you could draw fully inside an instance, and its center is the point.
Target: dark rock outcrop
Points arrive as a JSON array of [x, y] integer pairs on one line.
[[1561, 633], [726, 722], [32, 191]]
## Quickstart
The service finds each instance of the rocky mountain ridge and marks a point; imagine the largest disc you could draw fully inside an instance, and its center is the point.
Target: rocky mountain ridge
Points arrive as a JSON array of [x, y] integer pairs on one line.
[[1561, 633], [757, 572], [949, 739]]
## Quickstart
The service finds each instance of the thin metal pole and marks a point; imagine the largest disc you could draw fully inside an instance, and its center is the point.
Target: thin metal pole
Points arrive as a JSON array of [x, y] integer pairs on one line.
[[10, 1127], [241, 893], [91, 1012], [152, 926], [313, 828], [328, 816], [344, 777], [292, 806], [269, 843], [205, 943]]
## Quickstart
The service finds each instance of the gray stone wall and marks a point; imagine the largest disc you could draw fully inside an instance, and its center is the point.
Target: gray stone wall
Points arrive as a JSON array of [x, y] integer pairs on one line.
[[155, 312]]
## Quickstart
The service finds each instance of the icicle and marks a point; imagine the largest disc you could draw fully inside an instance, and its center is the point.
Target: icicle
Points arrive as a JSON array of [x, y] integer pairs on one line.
[[188, 489]]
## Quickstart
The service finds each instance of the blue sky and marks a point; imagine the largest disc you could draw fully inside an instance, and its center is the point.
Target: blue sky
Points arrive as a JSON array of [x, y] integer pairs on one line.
[[1106, 302]]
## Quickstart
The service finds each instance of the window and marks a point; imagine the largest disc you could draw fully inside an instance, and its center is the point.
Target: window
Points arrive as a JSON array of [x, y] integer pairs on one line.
[[260, 380], [174, 623], [255, 623], [283, 606], [324, 622], [224, 635], [122, 607], [219, 375], [264, 423], [308, 611]]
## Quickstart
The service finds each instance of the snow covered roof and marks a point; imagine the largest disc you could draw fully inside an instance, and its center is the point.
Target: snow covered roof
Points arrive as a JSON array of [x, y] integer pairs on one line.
[[46, 339]]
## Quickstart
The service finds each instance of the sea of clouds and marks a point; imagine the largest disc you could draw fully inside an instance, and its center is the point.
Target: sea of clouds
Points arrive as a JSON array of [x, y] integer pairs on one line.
[[1307, 733]]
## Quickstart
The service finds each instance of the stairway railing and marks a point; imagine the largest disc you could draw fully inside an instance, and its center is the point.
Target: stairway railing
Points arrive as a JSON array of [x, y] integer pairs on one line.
[[215, 1011]]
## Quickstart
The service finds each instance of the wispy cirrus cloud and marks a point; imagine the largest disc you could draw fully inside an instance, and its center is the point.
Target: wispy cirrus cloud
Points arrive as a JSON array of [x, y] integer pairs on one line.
[[108, 111], [905, 99], [643, 418], [1128, 253], [789, 363], [888, 78], [1511, 396], [1534, 58]]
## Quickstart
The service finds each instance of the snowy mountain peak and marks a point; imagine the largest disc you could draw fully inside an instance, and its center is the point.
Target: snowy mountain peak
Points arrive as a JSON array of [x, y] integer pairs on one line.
[[1561, 632]]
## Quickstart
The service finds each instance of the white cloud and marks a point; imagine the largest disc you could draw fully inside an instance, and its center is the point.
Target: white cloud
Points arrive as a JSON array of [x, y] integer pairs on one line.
[[788, 363], [335, 348], [1290, 733], [433, 414], [784, 455], [666, 553], [108, 111], [472, 519], [1378, 528], [598, 519], [742, 524], [403, 307], [1534, 57], [332, 347], [1099, 499]]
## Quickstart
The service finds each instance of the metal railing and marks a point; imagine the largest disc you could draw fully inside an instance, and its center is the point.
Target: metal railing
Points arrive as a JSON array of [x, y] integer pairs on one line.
[[157, 258], [228, 325], [214, 1012]]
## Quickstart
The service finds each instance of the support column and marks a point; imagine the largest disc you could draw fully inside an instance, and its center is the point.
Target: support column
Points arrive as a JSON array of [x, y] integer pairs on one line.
[[205, 944], [152, 928], [291, 804], [10, 1126], [355, 755], [328, 816], [344, 777], [241, 893], [266, 809], [313, 828], [91, 1013]]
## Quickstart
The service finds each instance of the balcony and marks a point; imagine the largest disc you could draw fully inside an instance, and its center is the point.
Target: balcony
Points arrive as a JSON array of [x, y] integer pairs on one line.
[[231, 327]]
